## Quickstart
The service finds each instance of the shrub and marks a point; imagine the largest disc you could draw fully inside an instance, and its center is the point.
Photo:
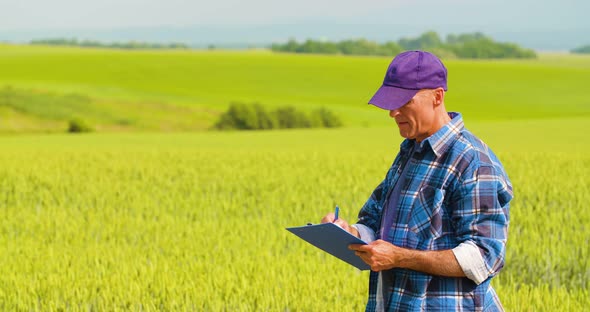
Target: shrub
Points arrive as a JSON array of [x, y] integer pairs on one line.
[[326, 118], [240, 116], [265, 120], [78, 125], [288, 117]]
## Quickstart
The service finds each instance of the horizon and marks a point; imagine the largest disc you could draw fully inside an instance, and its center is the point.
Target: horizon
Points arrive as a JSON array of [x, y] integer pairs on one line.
[[551, 26], [138, 35]]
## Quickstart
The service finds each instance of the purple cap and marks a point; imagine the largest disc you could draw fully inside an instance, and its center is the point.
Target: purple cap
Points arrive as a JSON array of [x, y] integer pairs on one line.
[[408, 73]]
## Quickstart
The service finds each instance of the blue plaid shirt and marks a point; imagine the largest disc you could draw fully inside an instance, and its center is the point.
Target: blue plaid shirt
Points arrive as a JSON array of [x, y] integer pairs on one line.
[[455, 191]]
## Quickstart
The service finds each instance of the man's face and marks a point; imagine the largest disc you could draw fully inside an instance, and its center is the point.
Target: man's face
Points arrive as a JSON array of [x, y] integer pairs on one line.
[[416, 118]]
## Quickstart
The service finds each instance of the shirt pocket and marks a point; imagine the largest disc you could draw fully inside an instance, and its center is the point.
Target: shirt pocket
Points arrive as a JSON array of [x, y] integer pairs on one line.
[[426, 216]]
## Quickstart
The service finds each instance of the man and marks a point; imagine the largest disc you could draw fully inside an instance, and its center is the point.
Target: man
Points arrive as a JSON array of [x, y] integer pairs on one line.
[[437, 225]]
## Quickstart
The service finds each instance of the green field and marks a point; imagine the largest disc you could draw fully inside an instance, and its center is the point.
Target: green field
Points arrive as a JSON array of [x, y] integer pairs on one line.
[[194, 221], [187, 90]]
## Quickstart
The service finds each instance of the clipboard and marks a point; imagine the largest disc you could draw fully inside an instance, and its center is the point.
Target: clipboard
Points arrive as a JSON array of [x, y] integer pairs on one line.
[[332, 239]]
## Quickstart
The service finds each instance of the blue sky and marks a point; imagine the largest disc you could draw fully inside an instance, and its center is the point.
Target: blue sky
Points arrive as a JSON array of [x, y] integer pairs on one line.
[[375, 18], [97, 14]]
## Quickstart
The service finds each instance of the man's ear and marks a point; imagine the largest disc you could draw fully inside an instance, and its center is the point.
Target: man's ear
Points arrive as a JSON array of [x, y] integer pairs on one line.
[[439, 96]]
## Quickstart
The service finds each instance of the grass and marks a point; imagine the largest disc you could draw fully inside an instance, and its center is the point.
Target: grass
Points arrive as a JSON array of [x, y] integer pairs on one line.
[[199, 85], [195, 221], [189, 220]]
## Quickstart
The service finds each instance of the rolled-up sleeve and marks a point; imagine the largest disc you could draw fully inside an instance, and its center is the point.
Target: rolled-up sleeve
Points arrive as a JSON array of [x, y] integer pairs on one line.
[[367, 234], [469, 258], [481, 217]]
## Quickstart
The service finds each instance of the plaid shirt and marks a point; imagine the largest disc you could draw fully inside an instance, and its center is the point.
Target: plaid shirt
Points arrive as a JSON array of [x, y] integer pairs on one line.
[[456, 191]]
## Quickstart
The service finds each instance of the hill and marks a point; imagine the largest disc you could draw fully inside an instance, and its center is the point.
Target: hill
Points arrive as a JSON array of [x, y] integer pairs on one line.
[[170, 90]]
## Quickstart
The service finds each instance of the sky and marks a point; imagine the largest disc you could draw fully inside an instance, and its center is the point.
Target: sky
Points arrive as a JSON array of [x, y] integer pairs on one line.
[[26, 17]]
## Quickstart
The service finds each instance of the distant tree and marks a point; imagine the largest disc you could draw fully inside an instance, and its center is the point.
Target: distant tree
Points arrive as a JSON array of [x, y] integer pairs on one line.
[[463, 38], [115, 45], [486, 48], [356, 47], [474, 45], [312, 46], [582, 49], [390, 48], [290, 46], [427, 40], [347, 47]]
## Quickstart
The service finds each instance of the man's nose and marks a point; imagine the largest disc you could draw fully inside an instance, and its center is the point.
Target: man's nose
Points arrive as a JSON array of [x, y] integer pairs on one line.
[[393, 113]]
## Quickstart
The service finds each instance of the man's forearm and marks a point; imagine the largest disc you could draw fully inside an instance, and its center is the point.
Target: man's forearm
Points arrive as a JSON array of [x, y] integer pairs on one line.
[[382, 255], [438, 262]]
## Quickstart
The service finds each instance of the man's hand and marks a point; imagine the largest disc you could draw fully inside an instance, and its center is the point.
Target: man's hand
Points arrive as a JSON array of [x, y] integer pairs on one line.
[[380, 255], [329, 218]]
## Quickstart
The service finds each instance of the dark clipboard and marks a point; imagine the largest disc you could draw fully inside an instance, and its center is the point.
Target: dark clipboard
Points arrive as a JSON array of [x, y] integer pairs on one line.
[[332, 239]]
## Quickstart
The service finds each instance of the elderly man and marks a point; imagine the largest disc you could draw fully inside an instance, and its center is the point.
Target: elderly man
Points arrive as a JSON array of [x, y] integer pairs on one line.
[[437, 225]]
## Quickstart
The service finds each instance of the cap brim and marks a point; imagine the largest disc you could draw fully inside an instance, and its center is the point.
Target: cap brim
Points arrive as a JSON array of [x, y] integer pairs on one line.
[[391, 98]]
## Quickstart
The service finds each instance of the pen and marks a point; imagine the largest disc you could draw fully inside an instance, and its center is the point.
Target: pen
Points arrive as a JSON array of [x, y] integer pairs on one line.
[[336, 214]]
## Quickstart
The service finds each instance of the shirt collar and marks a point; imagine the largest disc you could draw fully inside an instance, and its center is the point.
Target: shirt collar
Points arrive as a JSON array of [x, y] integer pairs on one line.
[[439, 142]]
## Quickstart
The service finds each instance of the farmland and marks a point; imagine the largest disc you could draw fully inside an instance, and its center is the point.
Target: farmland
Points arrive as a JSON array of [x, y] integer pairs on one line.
[[195, 220], [187, 90]]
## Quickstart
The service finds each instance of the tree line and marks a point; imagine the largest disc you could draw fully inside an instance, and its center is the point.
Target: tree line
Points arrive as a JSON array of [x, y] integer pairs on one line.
[[114, 45], [471, 45], [582, 50]]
